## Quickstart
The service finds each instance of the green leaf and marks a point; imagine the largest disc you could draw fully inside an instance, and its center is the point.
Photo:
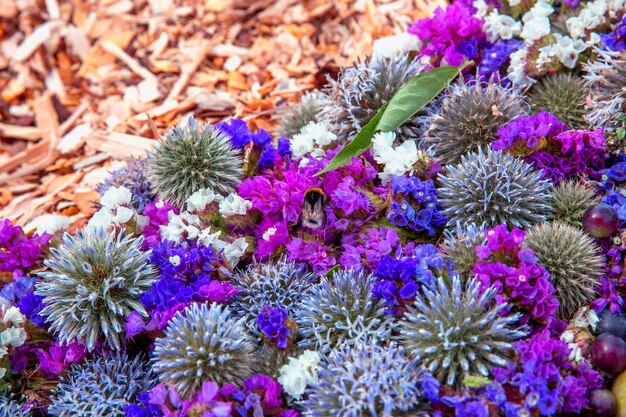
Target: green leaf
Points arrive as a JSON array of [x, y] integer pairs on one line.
[[332, 270], [414, 95], [476, 381], [361, 142]]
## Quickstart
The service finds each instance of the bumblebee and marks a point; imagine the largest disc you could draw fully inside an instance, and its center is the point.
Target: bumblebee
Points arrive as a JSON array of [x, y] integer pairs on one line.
[[313, 215]]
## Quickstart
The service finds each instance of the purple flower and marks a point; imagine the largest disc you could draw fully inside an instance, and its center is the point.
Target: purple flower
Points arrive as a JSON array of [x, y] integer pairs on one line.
[[157, 214], [313, 253], [19, 253], [134, 325], [274, 323], [59, 357], [526, 134]]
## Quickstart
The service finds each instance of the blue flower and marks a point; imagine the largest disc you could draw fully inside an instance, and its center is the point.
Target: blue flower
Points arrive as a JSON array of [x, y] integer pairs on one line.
[[273, 322]]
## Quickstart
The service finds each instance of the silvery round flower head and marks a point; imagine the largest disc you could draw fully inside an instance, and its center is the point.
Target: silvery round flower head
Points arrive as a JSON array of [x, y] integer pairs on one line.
[[454, 331], [494, 188], [300, 115], [605, 77], [279, 284], [460, 247], [192, 157], [366, 381], [101, 387], [203, 343], [341, 310], [469, 119], [10, 407], [94, 280], [564, 96], [572, 258], [570, 200], [363, 89]]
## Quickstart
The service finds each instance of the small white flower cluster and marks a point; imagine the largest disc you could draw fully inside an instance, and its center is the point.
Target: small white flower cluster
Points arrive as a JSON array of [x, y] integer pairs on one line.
[[12, 333], [116, 211], [565, 49], [300, 372], [313, 139], [51, 223], [583, 322], [394, 45], [396, 161], [589, 18], [536, 21], [500, 26], [190, 224]]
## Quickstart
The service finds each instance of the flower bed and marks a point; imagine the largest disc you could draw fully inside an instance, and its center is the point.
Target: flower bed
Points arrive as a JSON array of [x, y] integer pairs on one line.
[[438, 232]]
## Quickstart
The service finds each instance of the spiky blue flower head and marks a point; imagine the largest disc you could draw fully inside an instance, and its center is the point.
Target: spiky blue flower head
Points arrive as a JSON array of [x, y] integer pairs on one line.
[[9, 407], [457, 330], [278, 284], [134, 177], [203, 343], [366, 381], [101, 387], [94, 281], [192, 157], [362, 89], [341, 310], [494, 188]]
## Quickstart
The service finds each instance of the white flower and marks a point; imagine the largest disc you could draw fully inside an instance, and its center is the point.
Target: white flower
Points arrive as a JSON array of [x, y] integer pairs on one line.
[[174, 260], [396, 161], [232, 252], [116, 196], [585, 317], [588, 19], [199, 200], [184, 225], [500, 26], [312, 139], [300, 372], [540, 9], [514, 3], [207, 238], [390, 46], [51, 223], [535, 29], [517, 72], [482, 8], [567, 50], [234, 205], [13, 336], [269, 233], [12, 316], [2, 370]]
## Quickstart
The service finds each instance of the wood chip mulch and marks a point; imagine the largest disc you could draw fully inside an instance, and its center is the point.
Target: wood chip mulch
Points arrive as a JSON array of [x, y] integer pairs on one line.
[[86, 84]]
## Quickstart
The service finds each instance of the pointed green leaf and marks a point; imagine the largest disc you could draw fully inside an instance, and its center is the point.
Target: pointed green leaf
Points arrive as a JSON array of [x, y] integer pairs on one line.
[[359, 144], [414, 95]]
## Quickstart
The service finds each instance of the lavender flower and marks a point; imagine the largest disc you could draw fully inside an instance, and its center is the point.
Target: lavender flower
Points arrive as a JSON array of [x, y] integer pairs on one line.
[[275, 323]]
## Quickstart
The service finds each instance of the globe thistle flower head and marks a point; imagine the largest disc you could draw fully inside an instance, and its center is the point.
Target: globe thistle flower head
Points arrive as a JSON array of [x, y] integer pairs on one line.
[[192, 157], [341, 310], [457, 330], [102, 386], [278, 284], [134, 177], [572, 258], [362, 89], [563, 95], [10, 407], [570, 200], [366, 380], [469, 119], [460, 247], [605, 78], [203, 343], [494, 188], [94, 280], [301, 115]]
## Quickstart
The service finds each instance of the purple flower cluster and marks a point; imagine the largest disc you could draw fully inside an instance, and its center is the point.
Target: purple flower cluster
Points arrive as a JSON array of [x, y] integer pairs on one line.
[[495, 57], [263, 154], [186, 274], [259, 396], [519, 279], [158, 215], [275, 323], [365, 250], [545, 380], [545, 142], [451, 35], [19, 253], [615, 40], [400, 277], [20, 292], [418, 208]]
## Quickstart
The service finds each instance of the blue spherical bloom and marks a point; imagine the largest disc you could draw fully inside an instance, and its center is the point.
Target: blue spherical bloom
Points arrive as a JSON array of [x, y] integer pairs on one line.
[[273, 323]]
